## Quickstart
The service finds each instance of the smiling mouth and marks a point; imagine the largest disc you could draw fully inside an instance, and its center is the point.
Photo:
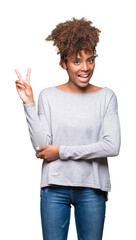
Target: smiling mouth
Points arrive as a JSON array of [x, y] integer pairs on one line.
[[83, 77]]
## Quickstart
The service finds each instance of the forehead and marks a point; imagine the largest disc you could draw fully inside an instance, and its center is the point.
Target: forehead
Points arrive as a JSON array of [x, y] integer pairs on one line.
[[83, 54]]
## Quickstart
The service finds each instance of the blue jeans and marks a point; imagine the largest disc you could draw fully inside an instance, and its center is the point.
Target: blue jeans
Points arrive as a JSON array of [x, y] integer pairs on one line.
[[89, 209]]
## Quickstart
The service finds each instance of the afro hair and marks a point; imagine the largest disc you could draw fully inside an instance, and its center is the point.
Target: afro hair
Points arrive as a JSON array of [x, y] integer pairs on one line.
[[71, 37]]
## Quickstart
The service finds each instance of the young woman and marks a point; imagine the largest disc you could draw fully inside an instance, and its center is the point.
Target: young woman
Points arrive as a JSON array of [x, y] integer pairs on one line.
[[76, 128]]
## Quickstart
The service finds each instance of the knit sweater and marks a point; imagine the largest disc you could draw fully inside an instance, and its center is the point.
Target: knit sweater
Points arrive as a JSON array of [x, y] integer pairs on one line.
[[85, 126]]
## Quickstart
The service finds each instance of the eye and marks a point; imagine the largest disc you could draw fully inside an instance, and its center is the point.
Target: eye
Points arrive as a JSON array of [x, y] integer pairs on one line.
[[76, 62], [91, 60]]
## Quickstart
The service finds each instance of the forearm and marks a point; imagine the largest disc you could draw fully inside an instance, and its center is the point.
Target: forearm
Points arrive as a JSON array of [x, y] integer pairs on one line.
[[108, 146], [39, 135], [95, 150]]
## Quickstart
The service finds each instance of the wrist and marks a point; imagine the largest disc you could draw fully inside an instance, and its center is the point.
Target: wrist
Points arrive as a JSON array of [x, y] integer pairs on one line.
[[29, 102]]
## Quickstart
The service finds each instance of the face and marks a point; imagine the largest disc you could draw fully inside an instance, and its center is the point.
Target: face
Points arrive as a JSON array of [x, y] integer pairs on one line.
[[80, 69]]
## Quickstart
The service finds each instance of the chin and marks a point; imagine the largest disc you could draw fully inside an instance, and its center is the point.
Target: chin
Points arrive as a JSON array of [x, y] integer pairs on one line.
[[83, 85]]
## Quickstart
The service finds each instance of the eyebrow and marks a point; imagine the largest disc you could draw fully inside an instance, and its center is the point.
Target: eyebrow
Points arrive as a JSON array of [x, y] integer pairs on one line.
[[77, 58]]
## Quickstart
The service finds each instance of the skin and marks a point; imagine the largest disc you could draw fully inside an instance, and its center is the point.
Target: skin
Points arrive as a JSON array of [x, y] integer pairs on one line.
[[24, 89], [76, 66], [80, 65]]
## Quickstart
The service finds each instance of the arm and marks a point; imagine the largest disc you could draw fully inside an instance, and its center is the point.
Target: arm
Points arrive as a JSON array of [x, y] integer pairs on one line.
[[108, 146], [38, 123]]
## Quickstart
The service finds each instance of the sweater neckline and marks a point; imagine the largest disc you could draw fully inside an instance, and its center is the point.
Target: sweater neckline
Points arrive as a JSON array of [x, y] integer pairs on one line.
[[65, 92]]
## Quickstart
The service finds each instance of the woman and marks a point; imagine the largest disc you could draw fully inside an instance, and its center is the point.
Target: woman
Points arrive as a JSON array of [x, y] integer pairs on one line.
[[76, 129]]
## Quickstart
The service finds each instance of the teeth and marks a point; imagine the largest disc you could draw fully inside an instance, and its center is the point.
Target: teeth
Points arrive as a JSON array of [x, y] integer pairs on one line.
[[83, 75]]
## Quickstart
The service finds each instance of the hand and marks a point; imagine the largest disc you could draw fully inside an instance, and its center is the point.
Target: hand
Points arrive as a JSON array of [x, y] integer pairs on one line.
[[49, 152], [24, 88]]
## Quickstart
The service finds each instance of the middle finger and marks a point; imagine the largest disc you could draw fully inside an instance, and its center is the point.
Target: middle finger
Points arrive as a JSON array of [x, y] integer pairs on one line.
[[28, 75], [18, 74]]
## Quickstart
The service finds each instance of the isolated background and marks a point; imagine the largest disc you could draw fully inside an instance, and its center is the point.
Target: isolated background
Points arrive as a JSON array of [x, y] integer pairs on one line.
[[24, 27]]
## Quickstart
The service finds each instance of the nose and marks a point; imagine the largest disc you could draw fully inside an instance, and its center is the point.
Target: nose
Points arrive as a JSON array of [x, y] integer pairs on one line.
[[84, 67]]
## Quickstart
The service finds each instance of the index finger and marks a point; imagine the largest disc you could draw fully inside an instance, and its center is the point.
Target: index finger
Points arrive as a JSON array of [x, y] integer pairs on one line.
[[18, 74]]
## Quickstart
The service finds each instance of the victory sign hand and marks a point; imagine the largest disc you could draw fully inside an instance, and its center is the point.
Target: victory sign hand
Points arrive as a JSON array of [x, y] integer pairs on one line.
[[24, 88]]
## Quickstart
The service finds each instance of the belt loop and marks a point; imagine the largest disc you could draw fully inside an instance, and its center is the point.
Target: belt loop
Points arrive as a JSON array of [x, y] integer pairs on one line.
[[70, 189]]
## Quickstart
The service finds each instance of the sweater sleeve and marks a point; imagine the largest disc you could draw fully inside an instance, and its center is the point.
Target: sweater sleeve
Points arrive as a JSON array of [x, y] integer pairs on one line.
[[38, 123], [107, 146]]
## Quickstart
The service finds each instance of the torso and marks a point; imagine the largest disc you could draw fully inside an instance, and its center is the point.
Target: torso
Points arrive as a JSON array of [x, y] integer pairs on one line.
[[91, 88]]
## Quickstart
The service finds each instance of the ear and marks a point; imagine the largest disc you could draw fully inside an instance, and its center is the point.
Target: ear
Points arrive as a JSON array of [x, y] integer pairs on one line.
[[64, 65]]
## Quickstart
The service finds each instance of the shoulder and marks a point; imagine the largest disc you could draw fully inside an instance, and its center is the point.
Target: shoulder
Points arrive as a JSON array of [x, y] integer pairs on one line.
[[43, 99], [111, 99], [110, 93], [105, 93], [45, 92]]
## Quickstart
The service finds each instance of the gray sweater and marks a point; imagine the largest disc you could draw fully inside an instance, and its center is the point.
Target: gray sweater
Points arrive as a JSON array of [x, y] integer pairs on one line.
[[87, 129]]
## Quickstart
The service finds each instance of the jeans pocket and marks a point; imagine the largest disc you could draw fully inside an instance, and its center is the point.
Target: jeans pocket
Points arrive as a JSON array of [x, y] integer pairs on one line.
[[44, 190]]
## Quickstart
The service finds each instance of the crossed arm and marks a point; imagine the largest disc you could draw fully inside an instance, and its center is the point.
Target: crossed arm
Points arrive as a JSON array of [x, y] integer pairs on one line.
[[107, 146]]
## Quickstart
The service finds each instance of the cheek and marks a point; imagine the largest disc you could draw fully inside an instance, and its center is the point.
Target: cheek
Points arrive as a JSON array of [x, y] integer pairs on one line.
[[73, 71], [92, 68]]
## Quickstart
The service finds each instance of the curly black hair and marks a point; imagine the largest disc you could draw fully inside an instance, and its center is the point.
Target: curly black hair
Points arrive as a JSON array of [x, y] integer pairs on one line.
[[71, 37]]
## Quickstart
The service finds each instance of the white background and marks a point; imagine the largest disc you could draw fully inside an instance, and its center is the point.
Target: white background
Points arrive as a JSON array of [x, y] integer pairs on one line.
[[24, 26]]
